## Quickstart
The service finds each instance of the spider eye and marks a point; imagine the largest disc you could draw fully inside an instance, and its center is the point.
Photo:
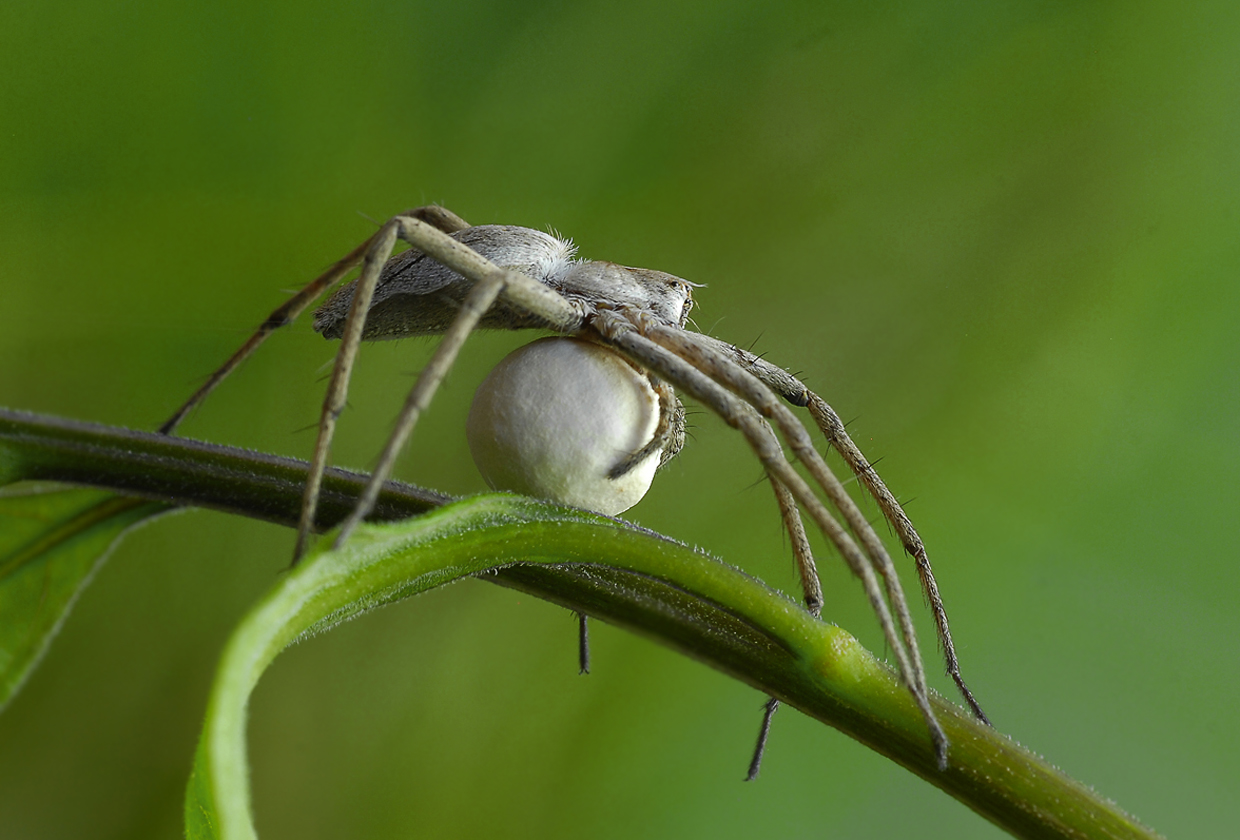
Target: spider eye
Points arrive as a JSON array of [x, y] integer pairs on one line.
[[556, 416]]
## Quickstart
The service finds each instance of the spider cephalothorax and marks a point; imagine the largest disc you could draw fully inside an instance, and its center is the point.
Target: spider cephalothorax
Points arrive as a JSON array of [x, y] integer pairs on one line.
[[457, 278]]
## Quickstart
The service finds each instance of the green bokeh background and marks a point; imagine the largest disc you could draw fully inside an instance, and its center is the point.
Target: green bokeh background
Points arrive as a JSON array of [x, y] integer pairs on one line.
[[999, 237]]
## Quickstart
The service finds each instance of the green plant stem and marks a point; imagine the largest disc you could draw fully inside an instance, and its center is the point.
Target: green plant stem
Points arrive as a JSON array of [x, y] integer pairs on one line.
[[625, 575]]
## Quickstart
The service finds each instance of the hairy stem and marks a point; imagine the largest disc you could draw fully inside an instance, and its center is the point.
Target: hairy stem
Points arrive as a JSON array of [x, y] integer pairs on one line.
[[622, 574]]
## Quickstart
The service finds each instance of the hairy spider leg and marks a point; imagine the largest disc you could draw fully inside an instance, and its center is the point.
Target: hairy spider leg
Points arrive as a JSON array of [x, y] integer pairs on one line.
[[285, 314], [626, 335], [705, 362], [829, 423]]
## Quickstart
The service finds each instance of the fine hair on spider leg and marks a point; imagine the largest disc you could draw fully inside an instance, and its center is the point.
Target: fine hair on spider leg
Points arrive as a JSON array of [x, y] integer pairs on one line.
[[457, 278], [832, 428], [626, 335]]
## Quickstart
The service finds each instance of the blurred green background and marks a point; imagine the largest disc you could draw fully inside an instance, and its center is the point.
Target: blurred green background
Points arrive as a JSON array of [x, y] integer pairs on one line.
[[999, 237]]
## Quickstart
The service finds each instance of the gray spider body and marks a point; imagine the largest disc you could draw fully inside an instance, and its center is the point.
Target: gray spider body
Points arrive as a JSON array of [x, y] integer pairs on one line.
[[417, 295], [456, 278]]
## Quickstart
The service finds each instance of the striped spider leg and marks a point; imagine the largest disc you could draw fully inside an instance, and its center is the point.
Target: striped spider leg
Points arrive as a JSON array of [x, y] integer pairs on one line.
[[457, 278]]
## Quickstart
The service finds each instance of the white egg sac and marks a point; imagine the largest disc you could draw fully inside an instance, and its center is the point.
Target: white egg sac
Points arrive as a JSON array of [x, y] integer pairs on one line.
[[555, 416]]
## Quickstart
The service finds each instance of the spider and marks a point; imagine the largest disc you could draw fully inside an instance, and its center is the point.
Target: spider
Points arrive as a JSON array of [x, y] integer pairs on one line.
[[457, 277]]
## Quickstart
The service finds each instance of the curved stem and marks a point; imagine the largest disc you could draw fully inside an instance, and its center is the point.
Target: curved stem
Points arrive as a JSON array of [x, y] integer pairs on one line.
[[622, 574]]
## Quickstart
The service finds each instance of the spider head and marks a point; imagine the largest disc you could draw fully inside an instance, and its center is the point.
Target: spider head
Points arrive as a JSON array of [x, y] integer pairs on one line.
[[662, 295]]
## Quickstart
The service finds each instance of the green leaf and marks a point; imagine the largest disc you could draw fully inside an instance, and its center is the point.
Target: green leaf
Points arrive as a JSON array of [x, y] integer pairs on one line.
[[680, 596], [51, 543], [385, 563]]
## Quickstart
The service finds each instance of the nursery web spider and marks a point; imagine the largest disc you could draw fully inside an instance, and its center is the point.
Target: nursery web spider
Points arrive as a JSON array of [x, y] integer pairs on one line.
[[457, 278]]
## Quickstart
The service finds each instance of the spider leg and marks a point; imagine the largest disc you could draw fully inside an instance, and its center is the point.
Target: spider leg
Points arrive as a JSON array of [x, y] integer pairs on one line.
[[769, 708], [751, 389], [669, 434], [829, 423], [377, 254], [583, 643], [811, 586], [833, 429], [484, 292], [668, 439], [281, 317], [284, 315], [623, 334], [675, 416], [490, 280]]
